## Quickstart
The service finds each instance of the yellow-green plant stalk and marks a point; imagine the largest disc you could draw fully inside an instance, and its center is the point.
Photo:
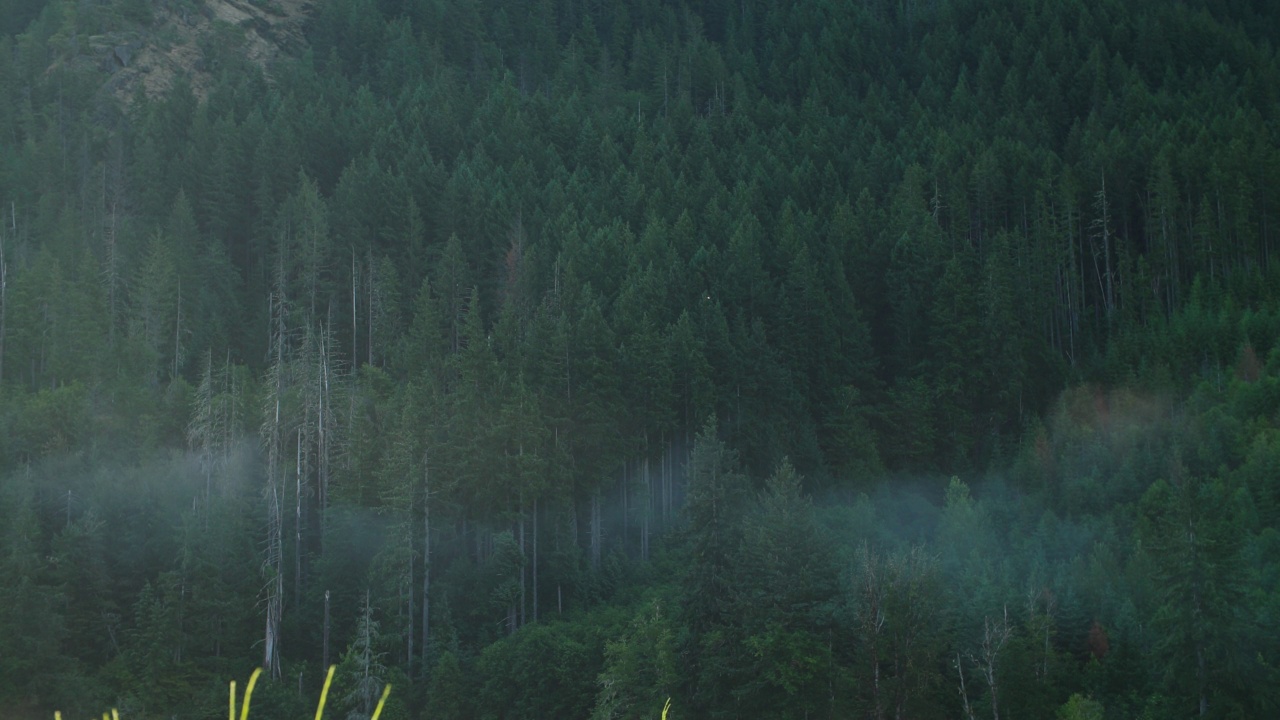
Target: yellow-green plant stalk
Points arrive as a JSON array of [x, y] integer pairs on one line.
[[324, 693], [383, 701], [248, 693]]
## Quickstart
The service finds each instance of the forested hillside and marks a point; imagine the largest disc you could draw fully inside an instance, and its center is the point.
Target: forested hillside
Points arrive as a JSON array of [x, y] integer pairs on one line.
[[553, 359]]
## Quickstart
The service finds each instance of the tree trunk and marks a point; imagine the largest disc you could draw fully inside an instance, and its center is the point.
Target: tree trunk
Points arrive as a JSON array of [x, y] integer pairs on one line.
[[355, 332], [626, 510], [369, 308], [325, 652], [324, 414], [426, 558], [409, 635], [535, 559], [297, 526], [177, 335], [522, 565], [597, 532], [4, 276], [272, 566], [647, 510], [996, 634], [964, 695]]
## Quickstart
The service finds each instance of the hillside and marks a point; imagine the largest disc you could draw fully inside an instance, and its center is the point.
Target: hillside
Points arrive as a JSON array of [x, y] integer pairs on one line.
[[144, 46], [814, 360]]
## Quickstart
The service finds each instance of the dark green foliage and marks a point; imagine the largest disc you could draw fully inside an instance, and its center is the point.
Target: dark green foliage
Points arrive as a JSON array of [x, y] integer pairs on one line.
[[786, 360]]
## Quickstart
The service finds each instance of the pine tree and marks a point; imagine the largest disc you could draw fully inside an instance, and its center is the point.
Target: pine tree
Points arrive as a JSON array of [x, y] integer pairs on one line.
[[364, 665], [1190, 532]]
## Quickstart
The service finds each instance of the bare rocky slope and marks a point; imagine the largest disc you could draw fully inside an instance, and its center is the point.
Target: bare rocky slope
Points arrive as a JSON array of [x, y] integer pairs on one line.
[[185, 37]]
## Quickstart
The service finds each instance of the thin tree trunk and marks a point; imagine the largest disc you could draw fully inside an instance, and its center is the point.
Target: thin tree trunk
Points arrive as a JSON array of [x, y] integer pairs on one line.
[[409, 635], [272, 567], [522, 565], [964, 695], [626, 510], [325, 652], [648, 509], [322, 422], [177, 336], [297, 526], [355, 332], [1200, 678], [596, 531], [369, 307], [535, 559], [4, 276], [426, 558]]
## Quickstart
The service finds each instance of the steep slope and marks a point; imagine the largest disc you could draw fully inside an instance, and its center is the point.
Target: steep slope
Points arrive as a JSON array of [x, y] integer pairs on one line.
[[195, 39]]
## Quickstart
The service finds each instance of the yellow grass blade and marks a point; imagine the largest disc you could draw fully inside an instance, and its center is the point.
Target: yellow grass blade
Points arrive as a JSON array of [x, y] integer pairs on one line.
[[665, 708], [253, 681], [378, 711], [324, 694], [248, 692]]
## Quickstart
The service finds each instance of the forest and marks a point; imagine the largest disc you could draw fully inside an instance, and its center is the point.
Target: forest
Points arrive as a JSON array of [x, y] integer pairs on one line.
[[554, 359]]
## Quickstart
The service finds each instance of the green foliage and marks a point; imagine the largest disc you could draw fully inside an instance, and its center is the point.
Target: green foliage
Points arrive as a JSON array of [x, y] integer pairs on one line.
[[640, 668], [542, 671], [547, 299], [1081, 708]]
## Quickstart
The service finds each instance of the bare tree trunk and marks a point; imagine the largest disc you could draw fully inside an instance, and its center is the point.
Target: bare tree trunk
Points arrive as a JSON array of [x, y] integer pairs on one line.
[[1102, 231], [369, 308], [872, 621], [271, 430], [523, 574], [597, 531], [355, 333], [112, 273], [409, 635], [648, 509], [663, 507], [297, 525], [324, 413], [426, 557], [964, 695], [626, 510], [325, 652], [996, 634], [535, 559], [1200, 678], [177, 336], [4, 276]]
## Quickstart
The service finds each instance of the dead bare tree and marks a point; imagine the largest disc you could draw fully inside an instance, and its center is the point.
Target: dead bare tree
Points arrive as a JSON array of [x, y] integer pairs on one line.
[[1100, 231], [426, 555], [871, 619], [964, 693], [271, 431], [995, 635], [4, 284]]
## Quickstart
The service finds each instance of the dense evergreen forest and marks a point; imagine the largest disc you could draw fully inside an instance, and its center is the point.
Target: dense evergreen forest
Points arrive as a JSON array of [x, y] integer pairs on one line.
[[891, 358]]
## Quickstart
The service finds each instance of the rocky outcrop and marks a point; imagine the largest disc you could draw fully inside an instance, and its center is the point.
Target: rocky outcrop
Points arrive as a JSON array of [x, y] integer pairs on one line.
[[187, 38]]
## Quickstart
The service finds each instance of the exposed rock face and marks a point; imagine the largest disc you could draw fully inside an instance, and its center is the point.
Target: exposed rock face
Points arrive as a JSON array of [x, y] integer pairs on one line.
[[186, 37]]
